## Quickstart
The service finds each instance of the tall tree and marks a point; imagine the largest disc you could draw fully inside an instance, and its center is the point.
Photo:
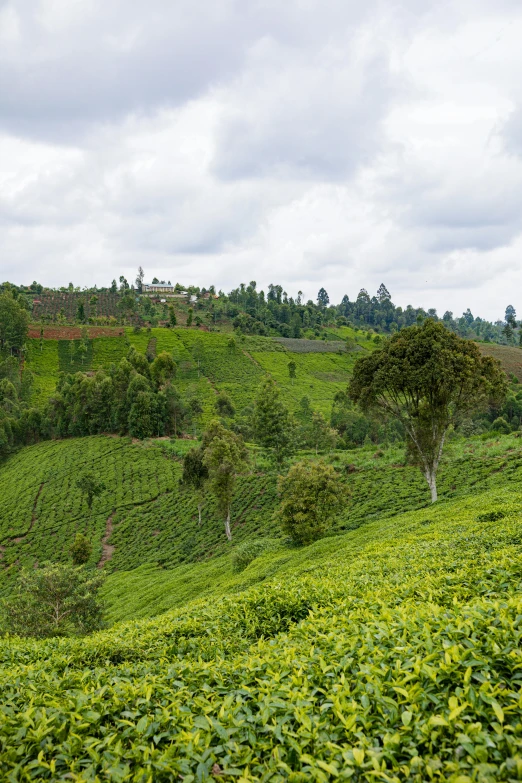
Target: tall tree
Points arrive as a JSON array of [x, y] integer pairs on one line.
[[272, 425], [139, 280], [224, 455], [163, 368], [511, 316], [383, 295], [292, 366], [428, 379], [323, 300], [80, 311], [195, 475]]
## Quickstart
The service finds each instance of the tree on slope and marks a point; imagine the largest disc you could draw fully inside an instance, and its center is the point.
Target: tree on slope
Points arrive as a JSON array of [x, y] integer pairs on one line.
[[224, 455], [429, 379], [195, 475], [14, 321], [310, 494], [272, 423], [90, 486], [55, 600]]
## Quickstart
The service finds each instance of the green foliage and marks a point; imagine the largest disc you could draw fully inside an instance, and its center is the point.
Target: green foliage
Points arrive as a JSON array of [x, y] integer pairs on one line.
[[428, 379], [272, 426], [155, 521], [491, 516], [311, 493], [224, 406], [56, 599], [195, 475], [91, 486], [224, 454], [14, 320], [246, 552], [81, 549], [357, 655]]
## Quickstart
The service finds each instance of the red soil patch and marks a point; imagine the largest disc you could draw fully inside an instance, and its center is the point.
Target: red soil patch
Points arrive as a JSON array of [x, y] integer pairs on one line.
[[74, 332]]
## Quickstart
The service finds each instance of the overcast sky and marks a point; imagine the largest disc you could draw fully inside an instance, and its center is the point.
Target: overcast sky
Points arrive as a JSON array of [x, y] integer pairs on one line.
[[306, 142]]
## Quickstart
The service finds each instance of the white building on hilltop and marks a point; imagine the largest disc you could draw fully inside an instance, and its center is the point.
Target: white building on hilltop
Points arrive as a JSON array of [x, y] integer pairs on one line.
[[161, 288]]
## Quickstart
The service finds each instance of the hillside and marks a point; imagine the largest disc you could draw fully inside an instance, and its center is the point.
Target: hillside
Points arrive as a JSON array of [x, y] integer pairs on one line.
[[207, 364], [147, 520], [509, 356], [389, 653]]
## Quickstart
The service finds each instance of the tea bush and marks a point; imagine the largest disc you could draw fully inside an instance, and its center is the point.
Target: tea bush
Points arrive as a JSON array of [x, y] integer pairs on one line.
[[391, 653], [151, 522], [246, 552]]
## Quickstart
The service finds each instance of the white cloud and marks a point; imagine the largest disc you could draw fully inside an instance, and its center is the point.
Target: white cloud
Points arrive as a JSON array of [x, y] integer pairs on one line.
[[335, 143]]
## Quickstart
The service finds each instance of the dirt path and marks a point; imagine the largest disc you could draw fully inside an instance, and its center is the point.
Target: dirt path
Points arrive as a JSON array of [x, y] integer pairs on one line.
[[107, 549]]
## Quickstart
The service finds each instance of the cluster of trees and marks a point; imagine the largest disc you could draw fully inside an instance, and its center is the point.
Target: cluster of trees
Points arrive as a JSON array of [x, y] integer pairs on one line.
[[380, 314], [135, 397]]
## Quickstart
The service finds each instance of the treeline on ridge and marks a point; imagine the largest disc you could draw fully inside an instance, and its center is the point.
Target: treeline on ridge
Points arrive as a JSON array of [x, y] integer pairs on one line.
[[249, 310]]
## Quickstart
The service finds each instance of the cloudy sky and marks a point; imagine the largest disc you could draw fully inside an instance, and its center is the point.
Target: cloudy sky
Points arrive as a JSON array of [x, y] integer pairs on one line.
[[307, 142]]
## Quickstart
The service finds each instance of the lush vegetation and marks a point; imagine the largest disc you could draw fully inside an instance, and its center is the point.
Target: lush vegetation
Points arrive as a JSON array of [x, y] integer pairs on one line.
[[391, 653], [248, 310], [153, 520], [218, 493]]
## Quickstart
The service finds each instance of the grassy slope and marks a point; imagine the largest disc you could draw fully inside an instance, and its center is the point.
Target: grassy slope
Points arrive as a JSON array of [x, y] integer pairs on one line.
[[155, 523], [509, 356], [238, 372], [390, 653]]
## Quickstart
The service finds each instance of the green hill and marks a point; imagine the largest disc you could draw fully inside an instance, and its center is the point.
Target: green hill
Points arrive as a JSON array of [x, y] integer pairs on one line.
[[390, 653], [150, 522], [208, 364]]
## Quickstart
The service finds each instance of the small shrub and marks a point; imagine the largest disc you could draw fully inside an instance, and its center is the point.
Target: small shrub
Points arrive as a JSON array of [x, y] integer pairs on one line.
[[491, 516], [249, 550], [55, 600], [81, 549]]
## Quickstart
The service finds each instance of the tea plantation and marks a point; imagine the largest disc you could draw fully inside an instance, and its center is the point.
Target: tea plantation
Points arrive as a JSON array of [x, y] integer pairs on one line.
[[153, 521], [207, 363], [389, 653]]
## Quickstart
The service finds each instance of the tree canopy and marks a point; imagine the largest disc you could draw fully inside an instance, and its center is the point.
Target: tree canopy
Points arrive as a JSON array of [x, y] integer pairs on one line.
[[310, 493], [14, 320], [429, 379]]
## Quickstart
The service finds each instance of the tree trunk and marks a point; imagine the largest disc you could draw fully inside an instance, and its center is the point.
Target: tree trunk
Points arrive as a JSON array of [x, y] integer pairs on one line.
[[431, 478], [199, 513], [227, 525]]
